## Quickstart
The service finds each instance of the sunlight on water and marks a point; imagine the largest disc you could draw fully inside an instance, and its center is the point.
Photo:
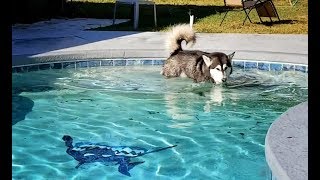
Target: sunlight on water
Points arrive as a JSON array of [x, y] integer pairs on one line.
[[219, 130]]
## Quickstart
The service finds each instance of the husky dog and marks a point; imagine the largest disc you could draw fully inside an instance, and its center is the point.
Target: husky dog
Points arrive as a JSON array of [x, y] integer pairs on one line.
[[197, 65]]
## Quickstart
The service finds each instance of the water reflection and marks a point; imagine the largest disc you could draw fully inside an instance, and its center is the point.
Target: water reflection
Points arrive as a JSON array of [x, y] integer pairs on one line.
[[184, 107]]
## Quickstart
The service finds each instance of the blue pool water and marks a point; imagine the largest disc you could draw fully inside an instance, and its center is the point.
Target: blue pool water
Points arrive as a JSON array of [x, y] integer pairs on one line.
[[219, 130]]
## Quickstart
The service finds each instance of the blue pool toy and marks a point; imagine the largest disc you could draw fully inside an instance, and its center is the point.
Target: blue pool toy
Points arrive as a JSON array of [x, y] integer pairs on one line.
[[85, 152]]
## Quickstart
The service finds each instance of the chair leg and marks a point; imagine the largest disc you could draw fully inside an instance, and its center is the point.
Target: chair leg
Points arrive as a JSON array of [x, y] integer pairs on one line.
[[136, 15], [275, 10], [114, 13], [260, 19], [224, 17], [155, 14], [247, 16]]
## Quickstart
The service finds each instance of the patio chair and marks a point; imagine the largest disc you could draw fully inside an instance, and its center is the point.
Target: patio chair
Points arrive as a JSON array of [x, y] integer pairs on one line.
[[264, 8], [136, 4]]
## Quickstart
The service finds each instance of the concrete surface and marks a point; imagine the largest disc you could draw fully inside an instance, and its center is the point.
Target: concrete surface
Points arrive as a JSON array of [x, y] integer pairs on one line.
[[286, 144], [61, 39]]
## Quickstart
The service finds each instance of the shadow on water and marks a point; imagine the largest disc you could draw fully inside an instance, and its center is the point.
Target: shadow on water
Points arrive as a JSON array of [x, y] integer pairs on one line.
[[22, 105]]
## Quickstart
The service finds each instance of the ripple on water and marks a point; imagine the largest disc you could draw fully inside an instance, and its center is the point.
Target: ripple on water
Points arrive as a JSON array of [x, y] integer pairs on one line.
[[219, 130]]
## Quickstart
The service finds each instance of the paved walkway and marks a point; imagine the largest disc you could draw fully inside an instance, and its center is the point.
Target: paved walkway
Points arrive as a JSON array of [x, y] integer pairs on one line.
[[67, 39]]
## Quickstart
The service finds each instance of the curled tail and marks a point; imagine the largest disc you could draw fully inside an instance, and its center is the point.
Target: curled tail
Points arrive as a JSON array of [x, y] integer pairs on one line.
[[177, 34]]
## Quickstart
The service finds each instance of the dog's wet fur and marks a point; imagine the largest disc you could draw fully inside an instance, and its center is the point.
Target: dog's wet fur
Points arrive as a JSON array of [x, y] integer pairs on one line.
[[197, 65]]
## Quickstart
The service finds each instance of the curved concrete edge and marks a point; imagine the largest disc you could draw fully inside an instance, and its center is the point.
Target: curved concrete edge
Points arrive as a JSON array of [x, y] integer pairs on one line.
[[26, 59], [286, 144], [18, 60]]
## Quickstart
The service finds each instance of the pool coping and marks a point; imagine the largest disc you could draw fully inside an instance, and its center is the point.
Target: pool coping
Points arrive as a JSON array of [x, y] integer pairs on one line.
[[289, 130], [136, 53], [86, 45], [88, 63]]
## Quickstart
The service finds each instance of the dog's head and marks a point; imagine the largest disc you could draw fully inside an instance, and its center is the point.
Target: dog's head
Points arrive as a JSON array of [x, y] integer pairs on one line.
[[219, 65]]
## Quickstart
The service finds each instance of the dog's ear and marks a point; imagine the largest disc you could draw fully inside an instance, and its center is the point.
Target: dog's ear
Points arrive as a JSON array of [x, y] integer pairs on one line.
[[207, 60], [230, 56]]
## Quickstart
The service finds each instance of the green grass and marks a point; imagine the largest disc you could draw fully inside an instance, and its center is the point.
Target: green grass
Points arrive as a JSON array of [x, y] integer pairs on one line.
[[208, 14]]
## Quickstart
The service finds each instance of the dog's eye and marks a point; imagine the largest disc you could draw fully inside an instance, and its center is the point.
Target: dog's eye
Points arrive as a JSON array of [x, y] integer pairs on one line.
[[218, 69], [226, 68]]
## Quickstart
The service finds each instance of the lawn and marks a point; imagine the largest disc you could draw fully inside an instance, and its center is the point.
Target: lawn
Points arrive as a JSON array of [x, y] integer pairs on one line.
[[208, 15]]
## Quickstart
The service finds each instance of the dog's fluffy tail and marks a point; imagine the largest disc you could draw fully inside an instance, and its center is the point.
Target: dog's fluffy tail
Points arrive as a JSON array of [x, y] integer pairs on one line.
[[177, 34]]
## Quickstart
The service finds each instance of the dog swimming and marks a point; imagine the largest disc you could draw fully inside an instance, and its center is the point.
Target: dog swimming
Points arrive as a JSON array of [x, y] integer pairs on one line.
[[195, 64]]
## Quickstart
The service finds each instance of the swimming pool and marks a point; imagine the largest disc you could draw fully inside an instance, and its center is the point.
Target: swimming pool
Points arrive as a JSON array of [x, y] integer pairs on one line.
[[219, 130]]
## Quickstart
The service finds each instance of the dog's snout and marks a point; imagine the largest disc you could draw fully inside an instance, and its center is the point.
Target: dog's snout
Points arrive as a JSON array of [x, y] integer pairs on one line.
[[224, 79]]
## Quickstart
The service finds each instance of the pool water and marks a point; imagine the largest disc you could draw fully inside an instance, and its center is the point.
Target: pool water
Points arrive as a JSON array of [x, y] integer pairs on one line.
[[219, 130]]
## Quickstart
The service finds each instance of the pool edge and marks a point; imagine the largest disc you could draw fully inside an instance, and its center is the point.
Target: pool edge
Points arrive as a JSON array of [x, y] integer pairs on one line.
[[290, 129], [24, 59]]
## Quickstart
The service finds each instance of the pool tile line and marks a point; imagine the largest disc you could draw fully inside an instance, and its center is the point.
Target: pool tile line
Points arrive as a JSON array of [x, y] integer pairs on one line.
[[245, 64]]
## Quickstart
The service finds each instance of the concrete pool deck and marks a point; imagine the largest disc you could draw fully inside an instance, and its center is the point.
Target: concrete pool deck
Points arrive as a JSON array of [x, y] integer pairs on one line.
[[60, 40], [67, 39]]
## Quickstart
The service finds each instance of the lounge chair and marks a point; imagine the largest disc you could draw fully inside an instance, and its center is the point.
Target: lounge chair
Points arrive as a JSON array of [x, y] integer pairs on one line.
[[264, 8]]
